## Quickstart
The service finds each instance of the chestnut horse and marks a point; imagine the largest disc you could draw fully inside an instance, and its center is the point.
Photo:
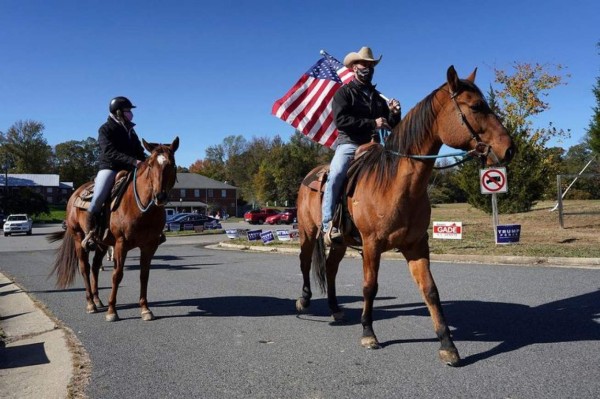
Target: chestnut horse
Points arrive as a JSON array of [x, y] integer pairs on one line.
[[389, 204], [136, 223]]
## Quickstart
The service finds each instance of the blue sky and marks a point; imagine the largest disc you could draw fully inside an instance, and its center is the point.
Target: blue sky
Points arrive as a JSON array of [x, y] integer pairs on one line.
[[206, 70]]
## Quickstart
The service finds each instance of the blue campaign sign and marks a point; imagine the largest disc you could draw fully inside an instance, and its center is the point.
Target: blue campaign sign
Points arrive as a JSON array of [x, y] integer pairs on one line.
[[267, 237], [254, 235], [508, 233]]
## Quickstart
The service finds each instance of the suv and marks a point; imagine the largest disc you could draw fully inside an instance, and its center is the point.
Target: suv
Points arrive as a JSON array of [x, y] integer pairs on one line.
[[258, 216], [18, 223]]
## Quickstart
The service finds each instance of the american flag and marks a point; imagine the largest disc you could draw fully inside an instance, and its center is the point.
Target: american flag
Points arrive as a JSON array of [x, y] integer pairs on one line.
[[307, 105]]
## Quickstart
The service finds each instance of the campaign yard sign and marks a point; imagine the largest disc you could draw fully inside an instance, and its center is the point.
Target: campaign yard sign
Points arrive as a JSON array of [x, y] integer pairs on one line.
[[232, 234], [253, 235], [287, 235], [267, 237], [508, 233], [447, 230]]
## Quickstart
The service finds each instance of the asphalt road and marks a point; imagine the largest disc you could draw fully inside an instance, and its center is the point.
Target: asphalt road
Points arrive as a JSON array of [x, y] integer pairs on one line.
[[226, 327]]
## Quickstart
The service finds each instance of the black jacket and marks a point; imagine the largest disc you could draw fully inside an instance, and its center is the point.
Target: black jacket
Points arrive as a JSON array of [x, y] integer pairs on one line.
[[355, 108], [119, 149]]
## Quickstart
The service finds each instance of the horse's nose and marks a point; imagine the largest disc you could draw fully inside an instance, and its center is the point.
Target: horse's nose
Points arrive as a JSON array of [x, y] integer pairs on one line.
[[510, 153]]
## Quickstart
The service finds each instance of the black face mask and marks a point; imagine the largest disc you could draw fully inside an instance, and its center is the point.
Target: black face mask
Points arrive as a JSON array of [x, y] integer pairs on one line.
[[365, 75]]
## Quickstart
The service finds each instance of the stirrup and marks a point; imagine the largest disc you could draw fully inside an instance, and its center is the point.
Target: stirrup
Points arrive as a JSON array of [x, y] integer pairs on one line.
[[88, 242], [332, 235]]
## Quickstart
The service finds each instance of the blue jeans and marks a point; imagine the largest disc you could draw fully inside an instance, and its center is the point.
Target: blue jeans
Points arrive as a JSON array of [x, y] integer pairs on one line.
[[103, 184], [338, 168]]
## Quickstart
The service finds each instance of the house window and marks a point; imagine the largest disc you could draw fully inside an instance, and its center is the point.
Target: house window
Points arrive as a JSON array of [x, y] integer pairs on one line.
[[49, 200], [223, 193], [182, 193], [197, 193], [49, 189], [210, 193]]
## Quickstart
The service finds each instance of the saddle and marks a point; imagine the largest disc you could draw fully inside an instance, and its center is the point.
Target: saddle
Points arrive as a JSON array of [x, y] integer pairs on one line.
[[342, 217], [84, 199]]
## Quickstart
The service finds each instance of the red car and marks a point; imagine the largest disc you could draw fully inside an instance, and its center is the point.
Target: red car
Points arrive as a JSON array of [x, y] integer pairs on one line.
[[259, 216], [289, 216], [274, 219]]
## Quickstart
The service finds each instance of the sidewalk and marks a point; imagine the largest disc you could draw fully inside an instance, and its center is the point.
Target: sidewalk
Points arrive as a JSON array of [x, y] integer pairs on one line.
[[35, 360]]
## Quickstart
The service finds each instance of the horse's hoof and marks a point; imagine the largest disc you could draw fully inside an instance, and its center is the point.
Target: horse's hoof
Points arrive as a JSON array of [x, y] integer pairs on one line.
[[99, 304], [302, 304], [450, 357], [338, 316], [112, 317], [89, 309], [370, 342], [147, 315]]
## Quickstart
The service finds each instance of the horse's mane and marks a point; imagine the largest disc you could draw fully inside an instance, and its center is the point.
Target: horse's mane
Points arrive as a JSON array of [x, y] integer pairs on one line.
[[406, 138]]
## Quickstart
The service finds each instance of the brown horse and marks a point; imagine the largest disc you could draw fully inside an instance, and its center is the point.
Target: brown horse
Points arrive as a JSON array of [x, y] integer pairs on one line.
[[389, 204], [136, 223]]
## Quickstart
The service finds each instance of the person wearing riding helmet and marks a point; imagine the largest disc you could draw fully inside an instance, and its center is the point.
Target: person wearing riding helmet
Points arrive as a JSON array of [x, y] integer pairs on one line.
[[120, 149], [359, 111]]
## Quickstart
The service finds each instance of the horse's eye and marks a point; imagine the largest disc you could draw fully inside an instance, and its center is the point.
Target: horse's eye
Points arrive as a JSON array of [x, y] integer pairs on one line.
[[479, 107]]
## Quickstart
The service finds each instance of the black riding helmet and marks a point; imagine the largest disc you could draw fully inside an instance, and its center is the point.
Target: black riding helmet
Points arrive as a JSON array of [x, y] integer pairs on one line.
[[119, 103]]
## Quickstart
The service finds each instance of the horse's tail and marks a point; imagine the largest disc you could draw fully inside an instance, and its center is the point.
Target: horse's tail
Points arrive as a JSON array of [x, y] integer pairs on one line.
[[319, 262], [65, 264]]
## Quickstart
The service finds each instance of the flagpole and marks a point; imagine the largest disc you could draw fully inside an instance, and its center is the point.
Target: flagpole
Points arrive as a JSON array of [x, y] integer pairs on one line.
[[325, 53]]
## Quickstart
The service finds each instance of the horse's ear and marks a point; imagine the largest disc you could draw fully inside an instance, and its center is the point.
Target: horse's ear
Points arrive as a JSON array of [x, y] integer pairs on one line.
[[453, 80], [148, 146], [175, 144], [471, 77]]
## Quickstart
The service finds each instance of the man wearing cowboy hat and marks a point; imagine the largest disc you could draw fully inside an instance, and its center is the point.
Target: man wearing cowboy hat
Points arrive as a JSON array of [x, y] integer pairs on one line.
[[359, 111]]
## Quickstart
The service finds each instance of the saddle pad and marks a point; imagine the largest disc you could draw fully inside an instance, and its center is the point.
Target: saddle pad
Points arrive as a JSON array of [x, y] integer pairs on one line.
[[316, 179]]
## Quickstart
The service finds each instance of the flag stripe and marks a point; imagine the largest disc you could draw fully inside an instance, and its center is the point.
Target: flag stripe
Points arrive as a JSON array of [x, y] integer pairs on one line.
[[307, 106]]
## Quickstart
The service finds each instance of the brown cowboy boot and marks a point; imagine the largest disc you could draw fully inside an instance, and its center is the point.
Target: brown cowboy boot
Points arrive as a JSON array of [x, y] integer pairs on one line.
[[88, 242]]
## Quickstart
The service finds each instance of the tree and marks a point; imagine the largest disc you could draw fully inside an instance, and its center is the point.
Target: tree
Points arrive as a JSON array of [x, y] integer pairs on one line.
[[533, 168], [26, 201], [77, 161], [593, 132], [26, 143]]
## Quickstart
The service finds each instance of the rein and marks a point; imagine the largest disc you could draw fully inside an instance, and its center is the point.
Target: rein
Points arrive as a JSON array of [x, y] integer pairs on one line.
[[138, 201], [481, 150]]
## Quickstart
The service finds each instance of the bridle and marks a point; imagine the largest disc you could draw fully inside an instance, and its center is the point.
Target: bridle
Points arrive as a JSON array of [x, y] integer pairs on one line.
[[481, 150], [138, 201]]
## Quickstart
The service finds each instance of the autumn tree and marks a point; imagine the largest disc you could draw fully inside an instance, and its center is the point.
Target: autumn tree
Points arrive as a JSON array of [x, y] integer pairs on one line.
[[520, 98]]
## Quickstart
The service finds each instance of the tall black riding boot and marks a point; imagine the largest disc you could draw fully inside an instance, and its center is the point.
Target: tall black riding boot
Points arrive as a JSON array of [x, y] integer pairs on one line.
[[91, 223]]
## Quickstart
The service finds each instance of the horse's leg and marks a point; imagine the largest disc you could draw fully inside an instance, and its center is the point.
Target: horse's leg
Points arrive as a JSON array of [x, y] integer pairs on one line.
[[371, 259], [146, 254], [96, 263], [336, 254], [84, 269], [308, 241], [418, 263], [119, 258]]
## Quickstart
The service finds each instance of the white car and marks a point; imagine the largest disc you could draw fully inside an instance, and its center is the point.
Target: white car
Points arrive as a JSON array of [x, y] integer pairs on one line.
[[18, 223]]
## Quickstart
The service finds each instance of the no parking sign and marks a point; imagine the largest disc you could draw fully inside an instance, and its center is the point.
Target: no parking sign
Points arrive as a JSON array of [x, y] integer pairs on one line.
[[493, 180]]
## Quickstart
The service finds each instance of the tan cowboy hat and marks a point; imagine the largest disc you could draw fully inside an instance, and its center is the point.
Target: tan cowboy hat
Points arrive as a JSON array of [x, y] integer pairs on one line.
[[364, 54]]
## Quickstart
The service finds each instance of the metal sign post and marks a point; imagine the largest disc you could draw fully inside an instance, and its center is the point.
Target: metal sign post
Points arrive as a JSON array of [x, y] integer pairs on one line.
[[493, 181]]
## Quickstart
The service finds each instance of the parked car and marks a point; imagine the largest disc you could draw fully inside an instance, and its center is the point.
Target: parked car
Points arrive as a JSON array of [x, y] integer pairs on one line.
[[258, 216], [2, 218], [274, 219], [64, 225], [289, 215], [191, 220], [18, 223]]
